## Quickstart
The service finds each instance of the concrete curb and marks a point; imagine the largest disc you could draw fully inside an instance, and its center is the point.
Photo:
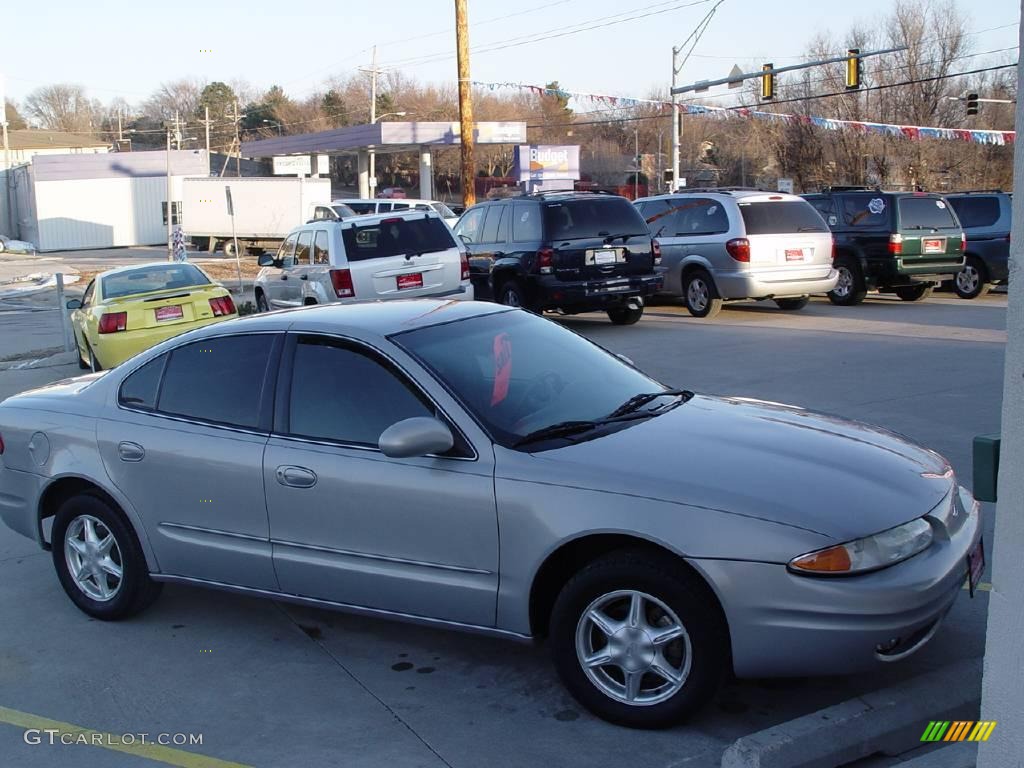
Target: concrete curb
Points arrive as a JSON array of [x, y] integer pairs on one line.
[[890, 721], [46, 361]]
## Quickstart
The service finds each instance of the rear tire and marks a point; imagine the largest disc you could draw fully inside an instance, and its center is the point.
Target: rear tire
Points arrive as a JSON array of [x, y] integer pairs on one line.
[[793, 305], [701, 295], [915, 292], [261, 303], [94, 364], [850, 290], [972, 281], [112, 579], [632, 598], [229, 248], [512, 294], [83, 363], [625, 315]]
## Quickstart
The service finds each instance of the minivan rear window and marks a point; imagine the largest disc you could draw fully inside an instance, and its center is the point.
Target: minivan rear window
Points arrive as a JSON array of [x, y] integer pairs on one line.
[[976, 211], [397, 237], [598, 217], [782, 217], [925, 213]]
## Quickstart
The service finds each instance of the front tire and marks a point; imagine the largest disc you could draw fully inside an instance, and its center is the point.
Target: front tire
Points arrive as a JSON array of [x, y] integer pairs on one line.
[[625, 315], [701, 295], [793, 305], [850, 289], [99, 561], [261, 302], [639, 640], [972, 281], [915, 292]]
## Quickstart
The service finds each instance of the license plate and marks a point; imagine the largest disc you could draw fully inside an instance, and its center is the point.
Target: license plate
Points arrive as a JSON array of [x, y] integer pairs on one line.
[[414, 280], [603, 256], [172, 312], [794, 254], [934, 246], [976, 566]]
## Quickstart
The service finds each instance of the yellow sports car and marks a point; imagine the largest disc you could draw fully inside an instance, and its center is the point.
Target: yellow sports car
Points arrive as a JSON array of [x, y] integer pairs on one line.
[[125, 311]]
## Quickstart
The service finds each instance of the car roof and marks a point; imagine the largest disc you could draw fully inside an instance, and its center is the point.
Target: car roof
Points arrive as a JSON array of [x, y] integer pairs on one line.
[[366, 219], [745, 195]]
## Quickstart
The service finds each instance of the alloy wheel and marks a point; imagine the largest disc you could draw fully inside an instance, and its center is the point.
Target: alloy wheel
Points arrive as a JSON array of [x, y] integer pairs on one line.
[[844, 286], [93, 558], [633, 648], [510, 298], [697, 294], [968, 279]]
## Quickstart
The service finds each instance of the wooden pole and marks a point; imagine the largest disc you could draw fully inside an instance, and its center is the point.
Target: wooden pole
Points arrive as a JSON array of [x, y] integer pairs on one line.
[[465, 102]]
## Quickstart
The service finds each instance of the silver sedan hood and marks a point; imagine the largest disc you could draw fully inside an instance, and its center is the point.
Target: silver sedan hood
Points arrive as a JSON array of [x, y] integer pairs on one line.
[[839, 478]]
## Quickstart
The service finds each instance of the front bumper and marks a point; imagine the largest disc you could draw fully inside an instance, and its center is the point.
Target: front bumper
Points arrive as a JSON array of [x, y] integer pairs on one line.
[[584, 295], [783, 624], [112, 349], [775, 284]]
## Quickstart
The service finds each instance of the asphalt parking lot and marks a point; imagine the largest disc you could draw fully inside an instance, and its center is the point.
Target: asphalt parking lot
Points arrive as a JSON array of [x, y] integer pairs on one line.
[[273, 685]]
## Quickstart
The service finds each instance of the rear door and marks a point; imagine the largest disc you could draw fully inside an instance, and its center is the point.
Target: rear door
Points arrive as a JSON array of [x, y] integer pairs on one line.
[[597, 238], [786, 235], [931, 233], [275, 282], [402, 257], [293, 276]]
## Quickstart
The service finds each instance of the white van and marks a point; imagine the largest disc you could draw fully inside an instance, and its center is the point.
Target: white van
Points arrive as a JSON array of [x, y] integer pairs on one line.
[[380, 205], [408, 254]]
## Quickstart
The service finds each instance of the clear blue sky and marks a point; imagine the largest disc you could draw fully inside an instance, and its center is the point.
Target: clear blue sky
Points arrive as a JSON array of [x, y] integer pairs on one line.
[[118, 50]]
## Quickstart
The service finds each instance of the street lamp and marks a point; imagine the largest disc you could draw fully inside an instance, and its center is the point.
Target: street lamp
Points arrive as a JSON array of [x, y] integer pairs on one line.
[[373, 157], [273, 122]]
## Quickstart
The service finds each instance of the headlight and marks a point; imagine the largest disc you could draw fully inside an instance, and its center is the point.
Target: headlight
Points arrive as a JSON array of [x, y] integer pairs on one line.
[[867, 554]]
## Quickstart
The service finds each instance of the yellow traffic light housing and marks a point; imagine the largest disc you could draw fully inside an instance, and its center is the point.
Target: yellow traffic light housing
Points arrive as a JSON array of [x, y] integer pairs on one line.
[[853, 69], [767, 82]]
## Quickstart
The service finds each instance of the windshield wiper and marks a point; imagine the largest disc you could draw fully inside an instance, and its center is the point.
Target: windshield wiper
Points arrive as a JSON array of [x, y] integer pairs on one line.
[[611, 238], [409, 256], [638, 401], [811, 229], [568, 428]]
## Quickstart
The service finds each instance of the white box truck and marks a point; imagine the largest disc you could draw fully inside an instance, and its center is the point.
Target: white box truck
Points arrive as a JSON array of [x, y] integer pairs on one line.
[[266, 209]]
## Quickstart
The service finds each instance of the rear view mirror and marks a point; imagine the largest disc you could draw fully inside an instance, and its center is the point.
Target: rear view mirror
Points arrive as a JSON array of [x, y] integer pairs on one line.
[[417, 436], [74, 304], [266, 260]]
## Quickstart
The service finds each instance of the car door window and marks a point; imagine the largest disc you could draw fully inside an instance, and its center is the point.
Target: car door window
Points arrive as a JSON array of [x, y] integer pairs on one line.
[[526, 223], [302, 248], [826, 208], [491, 223], [383, 207], [658, 215], [218, 380], [286, 253], [89, 293], [361, 208], [697, 216], [140, 388], [925, 213], [974, 212], [321, 254], [399, 206], [366, 396], [865, 211], [503, 224], [470, 225]]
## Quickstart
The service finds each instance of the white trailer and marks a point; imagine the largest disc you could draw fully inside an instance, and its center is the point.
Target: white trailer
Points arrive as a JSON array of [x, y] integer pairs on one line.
[[266, 209]]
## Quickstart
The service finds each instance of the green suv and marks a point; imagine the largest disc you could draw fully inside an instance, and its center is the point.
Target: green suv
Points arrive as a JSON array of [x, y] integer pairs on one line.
[[896, 242]]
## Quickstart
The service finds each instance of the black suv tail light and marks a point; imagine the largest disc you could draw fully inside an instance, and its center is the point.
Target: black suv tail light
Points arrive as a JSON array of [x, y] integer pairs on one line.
[[545, 261], [656, 249]]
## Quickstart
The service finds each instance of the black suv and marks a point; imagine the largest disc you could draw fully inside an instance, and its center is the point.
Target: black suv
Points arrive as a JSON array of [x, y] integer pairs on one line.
[[985, 217], [898, 242], [568, 251]]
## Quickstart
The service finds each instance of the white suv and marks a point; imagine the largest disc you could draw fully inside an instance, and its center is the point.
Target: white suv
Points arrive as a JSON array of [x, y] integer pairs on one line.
[[403, 255]]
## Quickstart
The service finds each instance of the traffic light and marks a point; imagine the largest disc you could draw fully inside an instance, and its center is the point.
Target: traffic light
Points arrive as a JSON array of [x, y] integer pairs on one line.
[[853, 69], [767, 82], [972, 104]]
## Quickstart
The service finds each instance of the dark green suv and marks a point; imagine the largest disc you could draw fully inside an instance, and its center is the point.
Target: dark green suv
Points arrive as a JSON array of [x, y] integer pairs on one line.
[[896, 242]]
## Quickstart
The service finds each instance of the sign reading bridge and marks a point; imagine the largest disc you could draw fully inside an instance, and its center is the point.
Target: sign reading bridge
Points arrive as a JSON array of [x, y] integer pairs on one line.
[[536, 162]]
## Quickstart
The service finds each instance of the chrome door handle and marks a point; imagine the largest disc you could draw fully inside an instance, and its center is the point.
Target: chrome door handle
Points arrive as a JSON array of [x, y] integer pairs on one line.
[[131, 451], [295, 477]]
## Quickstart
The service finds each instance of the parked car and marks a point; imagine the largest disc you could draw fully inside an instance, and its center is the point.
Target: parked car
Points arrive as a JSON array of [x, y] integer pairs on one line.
[[739, 244], [384, 256], [985, 217], [896, 242], [566, 251], [125, 311], [364, 206], [10, 245], [393, 193], [333, 212], [475, 467]]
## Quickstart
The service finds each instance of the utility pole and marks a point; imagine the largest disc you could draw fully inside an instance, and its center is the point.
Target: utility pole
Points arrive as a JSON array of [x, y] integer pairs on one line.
[[636, 162], [177, 131], [465, 102], [9, 202], [120, 133], [373, 119], [238, 141], [675, 124], [206, 124], [170, 204]]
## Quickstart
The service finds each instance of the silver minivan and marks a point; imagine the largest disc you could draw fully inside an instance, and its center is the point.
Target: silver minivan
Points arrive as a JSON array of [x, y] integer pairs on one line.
[[399, 255], [730, 244]]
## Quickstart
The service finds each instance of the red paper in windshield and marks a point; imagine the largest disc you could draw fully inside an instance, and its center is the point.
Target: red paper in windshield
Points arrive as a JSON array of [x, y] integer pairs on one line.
[[502, 368]]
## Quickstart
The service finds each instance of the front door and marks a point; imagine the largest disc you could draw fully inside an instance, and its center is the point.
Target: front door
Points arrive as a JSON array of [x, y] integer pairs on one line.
[[348, 524], [186, 449], [278, 281]]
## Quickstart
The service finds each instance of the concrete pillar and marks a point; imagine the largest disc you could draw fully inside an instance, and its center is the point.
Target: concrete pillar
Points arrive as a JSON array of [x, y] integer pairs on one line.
[[1002, 694], [363, 168], [426, 175]]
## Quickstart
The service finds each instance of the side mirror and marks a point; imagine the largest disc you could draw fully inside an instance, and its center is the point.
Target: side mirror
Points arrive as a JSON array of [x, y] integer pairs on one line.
[[417, 436], [266, 260], [74, 304]]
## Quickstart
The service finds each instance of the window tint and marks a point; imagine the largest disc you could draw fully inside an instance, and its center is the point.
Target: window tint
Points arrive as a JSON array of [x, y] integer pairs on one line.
[[975, 211], [655, 214], [592, 217], [397, 237], [286, 252], [139, 390], [827, 209], [925, 213], [470, 225], [342, 394], [219, 380], [302, 248], [341, 212], [865, 211], [362, 208], [781, 217], [153, 278], [320, 252], [526, 224], [694, 216], [400, 207], [495, 213], [321, 214]]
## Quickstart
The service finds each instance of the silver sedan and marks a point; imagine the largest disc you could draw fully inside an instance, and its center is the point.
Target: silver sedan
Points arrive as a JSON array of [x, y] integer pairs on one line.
[[477, 467]]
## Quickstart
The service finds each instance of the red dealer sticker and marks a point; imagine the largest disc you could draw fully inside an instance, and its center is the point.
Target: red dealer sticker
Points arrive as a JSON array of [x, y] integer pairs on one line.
[[502, 368]]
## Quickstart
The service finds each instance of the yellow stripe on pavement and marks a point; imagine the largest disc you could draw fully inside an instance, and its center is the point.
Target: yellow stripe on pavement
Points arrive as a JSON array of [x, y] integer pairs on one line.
[[157, 752], [982, 587]]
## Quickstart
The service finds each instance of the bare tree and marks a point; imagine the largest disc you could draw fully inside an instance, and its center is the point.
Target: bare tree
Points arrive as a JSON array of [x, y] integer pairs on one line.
[[181, 96], [62, 107]]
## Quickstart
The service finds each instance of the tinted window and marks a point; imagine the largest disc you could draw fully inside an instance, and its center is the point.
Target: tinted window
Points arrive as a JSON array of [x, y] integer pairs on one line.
[[140, 389], [383, 207], [285, 254], [825, 207], [526, 225], [976, 211], [654, 213], [443, 210], [693, 216], [342, 394], [865, 211], [320, 253], [781, 217], [399, 207], [218, 379], [361, 208], [470, 224], [397, 237], [597, 217], [925, 213], [302, 247], [341, 211], [322, 213], [146, 279], [495, 213]]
